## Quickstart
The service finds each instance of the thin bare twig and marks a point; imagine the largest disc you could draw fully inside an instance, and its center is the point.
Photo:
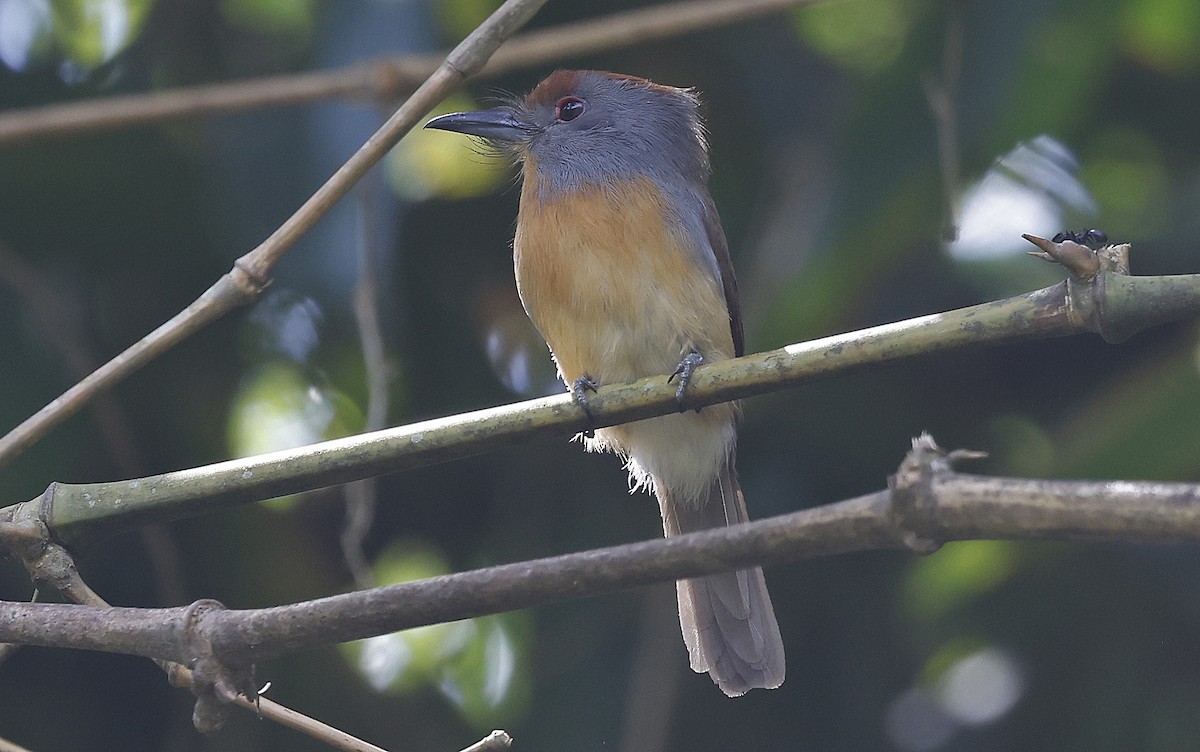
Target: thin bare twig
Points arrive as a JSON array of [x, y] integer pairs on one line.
[[232, 290], [306, 725], [380, 80], [251, 273], [654, 687], [57, 313], [942, 95], [360, 495], [59, 317]]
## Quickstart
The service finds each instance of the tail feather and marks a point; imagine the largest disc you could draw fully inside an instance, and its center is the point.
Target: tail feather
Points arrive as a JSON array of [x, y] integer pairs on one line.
[[728, 623]]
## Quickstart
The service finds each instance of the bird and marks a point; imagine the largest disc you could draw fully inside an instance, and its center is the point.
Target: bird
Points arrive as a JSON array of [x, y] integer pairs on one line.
[[624, 269]]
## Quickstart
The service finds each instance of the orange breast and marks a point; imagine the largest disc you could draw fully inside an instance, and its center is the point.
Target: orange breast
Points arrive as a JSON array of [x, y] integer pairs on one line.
[[611, 282]]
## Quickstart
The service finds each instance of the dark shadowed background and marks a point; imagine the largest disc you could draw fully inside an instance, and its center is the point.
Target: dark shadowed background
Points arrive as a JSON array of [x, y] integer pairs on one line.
[[828, 161]]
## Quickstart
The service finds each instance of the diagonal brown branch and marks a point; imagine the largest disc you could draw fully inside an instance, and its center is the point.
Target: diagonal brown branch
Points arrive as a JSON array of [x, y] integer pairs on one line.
[[252, 271], [380, 80]]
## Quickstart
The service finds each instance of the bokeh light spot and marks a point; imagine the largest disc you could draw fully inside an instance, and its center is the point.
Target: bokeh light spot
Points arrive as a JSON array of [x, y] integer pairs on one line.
[[429, 163], [278, 407], [862, 35], [92, 32], [956, 573], [1129, 176], [1163, 34], [476, 664], [916, 723], [1032, 189], [271, 16], [982, 687], [24, 31]]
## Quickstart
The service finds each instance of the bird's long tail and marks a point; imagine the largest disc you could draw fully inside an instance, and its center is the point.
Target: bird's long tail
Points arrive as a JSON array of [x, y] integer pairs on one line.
[[727, 620]]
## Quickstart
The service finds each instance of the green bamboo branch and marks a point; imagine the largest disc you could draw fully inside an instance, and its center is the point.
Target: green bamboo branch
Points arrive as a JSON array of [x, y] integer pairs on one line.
[[1106, 302]]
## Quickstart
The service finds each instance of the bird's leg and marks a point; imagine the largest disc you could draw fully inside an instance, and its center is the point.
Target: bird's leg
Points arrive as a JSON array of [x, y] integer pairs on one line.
[[684, 371], [579, 389]]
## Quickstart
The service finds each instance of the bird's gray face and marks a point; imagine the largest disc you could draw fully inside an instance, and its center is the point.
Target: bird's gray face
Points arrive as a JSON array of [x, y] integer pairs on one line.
[[586, 127]]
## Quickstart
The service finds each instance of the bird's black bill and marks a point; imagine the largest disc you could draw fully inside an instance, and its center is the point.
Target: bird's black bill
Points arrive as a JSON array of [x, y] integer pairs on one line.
[[495, 125]]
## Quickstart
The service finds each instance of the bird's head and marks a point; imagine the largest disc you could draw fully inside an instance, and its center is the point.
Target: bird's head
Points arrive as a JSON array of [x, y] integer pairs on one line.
[[587, 127]]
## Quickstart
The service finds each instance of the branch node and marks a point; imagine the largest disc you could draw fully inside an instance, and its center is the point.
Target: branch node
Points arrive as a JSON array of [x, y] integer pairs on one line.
[[247, 276], [1089, 266], [24, 533], [453, 68], [215, 683], [1114, 258], [914, 504], [27, 535], [56, 568]]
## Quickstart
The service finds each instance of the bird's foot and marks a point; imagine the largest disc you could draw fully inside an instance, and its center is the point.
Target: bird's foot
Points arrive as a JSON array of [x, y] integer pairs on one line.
[[684, 371], [579, 389]]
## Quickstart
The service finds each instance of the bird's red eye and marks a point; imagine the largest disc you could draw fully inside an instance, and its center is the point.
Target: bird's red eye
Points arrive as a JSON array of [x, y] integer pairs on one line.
[[567, 109]]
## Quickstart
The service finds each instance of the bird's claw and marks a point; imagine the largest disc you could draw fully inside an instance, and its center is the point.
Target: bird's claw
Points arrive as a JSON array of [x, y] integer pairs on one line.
[[684, 371], [579, 389]]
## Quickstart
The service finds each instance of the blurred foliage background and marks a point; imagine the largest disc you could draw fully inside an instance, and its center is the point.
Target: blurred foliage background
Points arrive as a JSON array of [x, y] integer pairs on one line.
[[829, 159]]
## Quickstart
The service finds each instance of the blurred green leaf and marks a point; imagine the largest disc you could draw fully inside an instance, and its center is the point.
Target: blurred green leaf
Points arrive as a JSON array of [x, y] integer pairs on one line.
[[479, 665], [277, 408], [1163, 34], [1126, 172], [957, 573], [947, 655], [1021, 446], [1060, 77], [860, 35], [1140, 423], [290, 17], [489, 681], [404, 661], [92, 32], [460, 17], [431, 163]]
